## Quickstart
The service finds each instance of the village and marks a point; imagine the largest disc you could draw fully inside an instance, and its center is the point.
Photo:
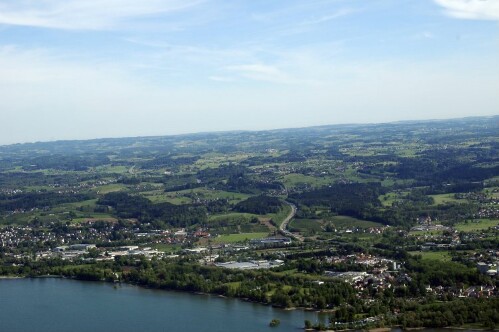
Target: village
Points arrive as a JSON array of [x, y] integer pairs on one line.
[[368, 274]]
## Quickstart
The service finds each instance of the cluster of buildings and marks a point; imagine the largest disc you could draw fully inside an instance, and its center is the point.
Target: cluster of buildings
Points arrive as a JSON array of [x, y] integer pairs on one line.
[[371, 263], [491, 269], [62, 188], [64, 237], [62, 240], [482, 291], [427, 224], [251, 265], [90, 252], [270, 241], [487, 212], [22, 236], [69, 252], [10, 192], [479, 292], [428, 228], [350, 276], [370, 230], [445, 240]]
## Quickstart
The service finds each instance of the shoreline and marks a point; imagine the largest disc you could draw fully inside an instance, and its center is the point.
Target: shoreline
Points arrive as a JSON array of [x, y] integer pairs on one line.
[[376, 329]]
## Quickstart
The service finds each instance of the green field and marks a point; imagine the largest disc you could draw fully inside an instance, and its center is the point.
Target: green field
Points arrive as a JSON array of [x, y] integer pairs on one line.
[[351, 174], [279, 217], [476, 225], [235, 223], [18, 219], [167, 248], [306, 225], [446, 198], [110, 188], [76, 205], [168, 198], [388, 199], [346, 221], [233, 217], [493, 191], [182, 196], [94, 216], [214, 160], [407, 153], [431, 232], [220, 194], [443, 256], [388, 182], [38, 188], [294, 180], [112, 169]]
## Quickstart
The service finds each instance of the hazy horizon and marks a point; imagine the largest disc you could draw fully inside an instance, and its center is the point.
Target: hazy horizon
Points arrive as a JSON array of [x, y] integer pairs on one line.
[[73, 69], [257, 130]]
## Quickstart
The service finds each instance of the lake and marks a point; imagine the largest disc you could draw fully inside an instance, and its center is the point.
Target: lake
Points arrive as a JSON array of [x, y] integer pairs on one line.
[[56, 305], [52, 304]]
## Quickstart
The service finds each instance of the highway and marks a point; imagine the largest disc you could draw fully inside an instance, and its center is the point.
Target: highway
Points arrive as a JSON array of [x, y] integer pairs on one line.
[[284, 225]]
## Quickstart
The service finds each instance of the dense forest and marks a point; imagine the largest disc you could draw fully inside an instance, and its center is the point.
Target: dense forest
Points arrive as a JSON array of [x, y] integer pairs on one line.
[[130, 206]]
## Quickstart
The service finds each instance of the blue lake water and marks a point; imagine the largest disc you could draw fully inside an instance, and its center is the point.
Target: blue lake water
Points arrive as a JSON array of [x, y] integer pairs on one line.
[[51, 304], [60, 305]]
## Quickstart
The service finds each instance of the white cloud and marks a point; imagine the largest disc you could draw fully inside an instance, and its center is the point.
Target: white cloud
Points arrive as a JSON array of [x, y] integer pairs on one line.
[[84, 14], [471, 9]]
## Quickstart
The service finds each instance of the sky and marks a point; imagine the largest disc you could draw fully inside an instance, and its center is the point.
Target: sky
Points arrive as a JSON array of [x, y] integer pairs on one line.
[[79, 69]]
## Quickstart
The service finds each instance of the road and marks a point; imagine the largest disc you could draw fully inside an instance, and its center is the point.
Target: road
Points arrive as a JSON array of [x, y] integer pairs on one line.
[[290, 216], [284, 225]]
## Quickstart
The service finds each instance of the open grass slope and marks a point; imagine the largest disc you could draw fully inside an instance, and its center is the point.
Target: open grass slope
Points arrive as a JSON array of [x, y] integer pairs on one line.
[[189, 195], [446, 198], [306, 225], [443, 256], [296, 180], [476, 225], [280, 216], [346, 221]]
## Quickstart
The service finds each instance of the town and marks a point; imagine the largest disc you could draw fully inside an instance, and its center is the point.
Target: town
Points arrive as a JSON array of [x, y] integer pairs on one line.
[[341, 224]]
